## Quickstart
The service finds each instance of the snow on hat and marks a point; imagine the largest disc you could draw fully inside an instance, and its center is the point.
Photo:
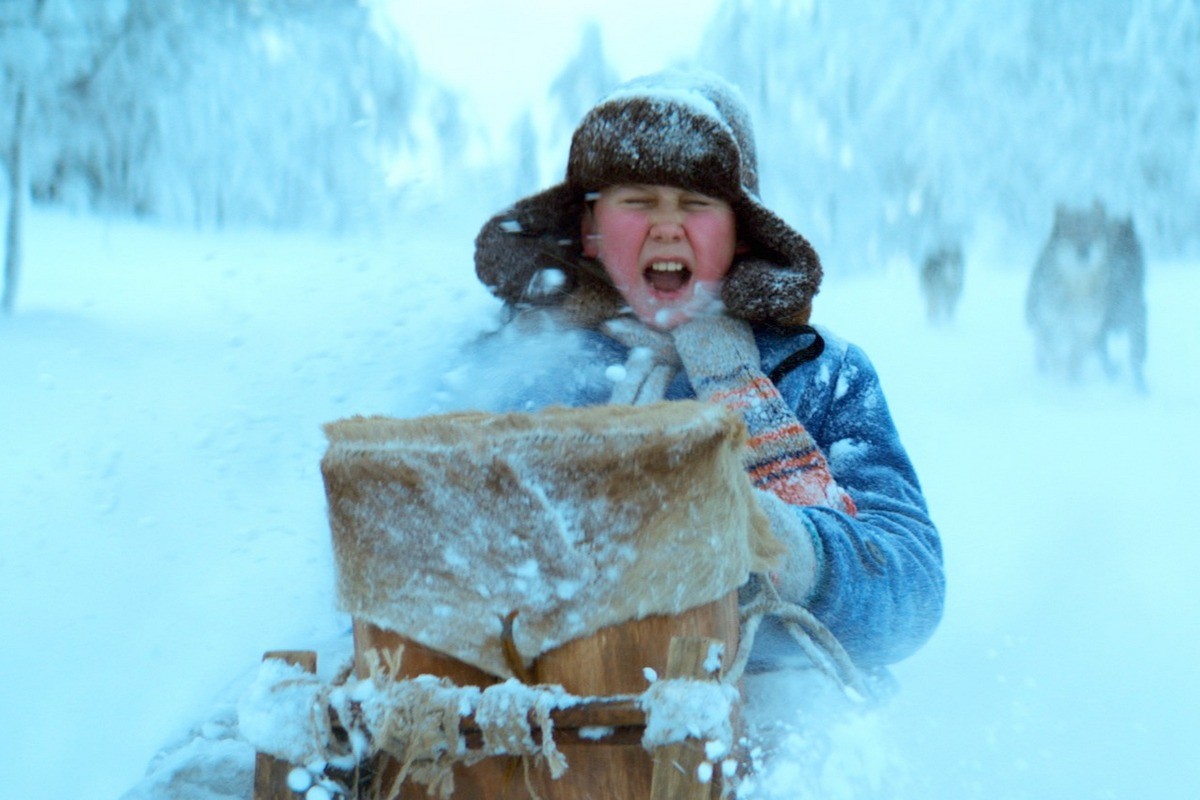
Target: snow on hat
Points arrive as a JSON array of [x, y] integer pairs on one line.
[[676, 128]]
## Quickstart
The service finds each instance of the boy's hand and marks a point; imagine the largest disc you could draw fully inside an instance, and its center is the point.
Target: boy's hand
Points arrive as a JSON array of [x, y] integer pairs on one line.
[[714, 345], [633, 333], [651, 365], [798, 575], [723, 363]]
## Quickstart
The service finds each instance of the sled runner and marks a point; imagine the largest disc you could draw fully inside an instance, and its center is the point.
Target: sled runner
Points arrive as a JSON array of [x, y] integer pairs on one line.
[[544, 605]]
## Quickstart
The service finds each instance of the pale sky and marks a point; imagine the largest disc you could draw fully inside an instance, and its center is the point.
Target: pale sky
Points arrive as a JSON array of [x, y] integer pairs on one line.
[[503, 55]]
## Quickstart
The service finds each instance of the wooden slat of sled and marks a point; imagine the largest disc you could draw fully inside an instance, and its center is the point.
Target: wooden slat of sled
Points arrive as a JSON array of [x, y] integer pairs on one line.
[[608, 663], [608, 772], [270, 773], [615, 766], [612, 660], [676, 765]]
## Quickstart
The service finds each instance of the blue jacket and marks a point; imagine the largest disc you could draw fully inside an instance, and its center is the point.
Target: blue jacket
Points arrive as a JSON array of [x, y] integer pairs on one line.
[[881, 588]]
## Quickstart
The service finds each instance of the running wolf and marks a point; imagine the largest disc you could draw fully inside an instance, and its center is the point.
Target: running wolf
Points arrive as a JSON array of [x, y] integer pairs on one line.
[[1088, 285], [942, 282]]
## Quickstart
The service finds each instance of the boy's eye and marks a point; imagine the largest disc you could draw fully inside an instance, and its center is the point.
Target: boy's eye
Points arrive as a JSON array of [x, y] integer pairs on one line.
[[696, 202]]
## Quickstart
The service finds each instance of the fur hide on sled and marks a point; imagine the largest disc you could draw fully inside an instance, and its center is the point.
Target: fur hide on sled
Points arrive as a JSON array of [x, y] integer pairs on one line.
[[573, 518]]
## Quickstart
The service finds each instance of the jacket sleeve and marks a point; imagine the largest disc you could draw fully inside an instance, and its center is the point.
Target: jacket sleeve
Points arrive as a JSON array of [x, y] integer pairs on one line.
[[881, 586]]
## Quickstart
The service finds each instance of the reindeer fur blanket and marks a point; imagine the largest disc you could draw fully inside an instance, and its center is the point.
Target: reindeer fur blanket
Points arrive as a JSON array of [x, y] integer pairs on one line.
[[573, 518]]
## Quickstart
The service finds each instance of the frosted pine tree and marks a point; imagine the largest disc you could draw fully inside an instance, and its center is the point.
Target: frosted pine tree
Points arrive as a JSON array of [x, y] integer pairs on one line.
[[585, 78], [884, 129], [46, 48], [224, 112]]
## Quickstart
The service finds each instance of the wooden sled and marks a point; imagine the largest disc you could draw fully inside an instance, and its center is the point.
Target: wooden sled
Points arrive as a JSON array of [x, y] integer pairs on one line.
[[658, 490], [607, 666]]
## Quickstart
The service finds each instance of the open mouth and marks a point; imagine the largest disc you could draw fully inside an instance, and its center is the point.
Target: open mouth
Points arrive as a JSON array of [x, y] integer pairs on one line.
[[667, 277]]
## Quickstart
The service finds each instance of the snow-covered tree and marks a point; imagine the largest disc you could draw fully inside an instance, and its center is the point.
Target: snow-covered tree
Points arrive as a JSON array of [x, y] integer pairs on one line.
[[583, 80], [884, 128], [234, 111], [527, 174], [275, 112], [586, 77], [44, 46]]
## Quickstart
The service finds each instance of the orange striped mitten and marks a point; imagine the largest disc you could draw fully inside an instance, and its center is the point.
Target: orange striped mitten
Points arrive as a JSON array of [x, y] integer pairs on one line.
[[723, 364]]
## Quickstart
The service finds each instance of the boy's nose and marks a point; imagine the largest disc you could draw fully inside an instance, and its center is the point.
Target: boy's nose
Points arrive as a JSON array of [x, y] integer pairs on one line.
[[666, 227]]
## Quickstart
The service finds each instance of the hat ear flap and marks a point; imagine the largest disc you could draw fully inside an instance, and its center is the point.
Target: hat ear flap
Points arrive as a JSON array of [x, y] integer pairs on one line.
[[760, 291], [530, 252]]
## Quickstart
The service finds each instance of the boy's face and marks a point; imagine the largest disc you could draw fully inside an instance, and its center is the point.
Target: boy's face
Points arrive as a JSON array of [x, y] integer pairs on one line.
[[665, 249]]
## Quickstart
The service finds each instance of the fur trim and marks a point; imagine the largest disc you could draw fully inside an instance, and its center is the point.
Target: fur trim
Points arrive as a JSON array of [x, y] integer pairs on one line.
[[675, 128]]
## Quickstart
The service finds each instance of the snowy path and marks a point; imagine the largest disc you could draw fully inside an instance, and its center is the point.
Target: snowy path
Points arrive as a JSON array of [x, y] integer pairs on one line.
[[163, 517]]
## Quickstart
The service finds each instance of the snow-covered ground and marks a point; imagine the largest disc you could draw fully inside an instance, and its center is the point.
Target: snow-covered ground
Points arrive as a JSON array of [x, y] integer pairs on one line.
[[162, 515]]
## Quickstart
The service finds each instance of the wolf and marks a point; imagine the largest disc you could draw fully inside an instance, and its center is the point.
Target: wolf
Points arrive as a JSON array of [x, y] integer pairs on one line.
[[942, 282], [1088, 285]]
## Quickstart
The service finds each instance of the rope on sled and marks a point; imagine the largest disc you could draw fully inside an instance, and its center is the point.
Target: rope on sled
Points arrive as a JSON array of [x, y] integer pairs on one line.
[[816, 640], [420, 726], [330, 728], [321, 725]]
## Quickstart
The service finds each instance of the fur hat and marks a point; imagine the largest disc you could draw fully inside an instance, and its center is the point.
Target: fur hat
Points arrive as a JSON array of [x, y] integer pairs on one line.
[[675, 128]]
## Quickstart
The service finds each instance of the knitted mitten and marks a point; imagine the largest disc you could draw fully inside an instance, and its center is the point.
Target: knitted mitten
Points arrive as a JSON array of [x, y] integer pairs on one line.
[[651, 364], [722, 362], [797, 577]]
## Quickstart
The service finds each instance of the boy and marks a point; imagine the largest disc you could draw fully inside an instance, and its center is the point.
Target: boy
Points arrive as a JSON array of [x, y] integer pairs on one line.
[[657, 247]]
